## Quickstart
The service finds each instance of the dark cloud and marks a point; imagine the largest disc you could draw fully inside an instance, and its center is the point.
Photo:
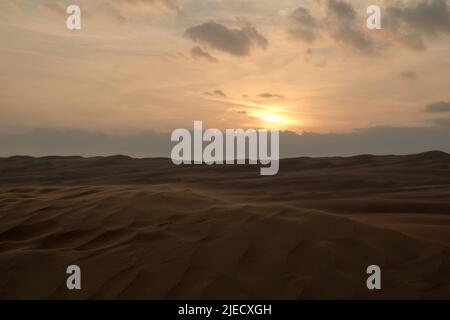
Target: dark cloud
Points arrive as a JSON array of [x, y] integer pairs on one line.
[[355, 39], [268, 95], [341, 10], [344, 27], [408, 75], [305, 27], [406, 24], [437, 107], [198, 54], [44, 142], [218, 93], [340, 23], [238, 42], [412, 22], [411, 40], [425, 16], [444, 122], [376, 140]]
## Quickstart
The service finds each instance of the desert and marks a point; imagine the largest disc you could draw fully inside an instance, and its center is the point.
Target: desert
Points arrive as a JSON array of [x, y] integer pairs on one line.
[[147, 229]]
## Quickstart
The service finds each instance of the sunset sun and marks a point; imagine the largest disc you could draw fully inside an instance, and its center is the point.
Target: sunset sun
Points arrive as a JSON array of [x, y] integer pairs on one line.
[[272, 119]]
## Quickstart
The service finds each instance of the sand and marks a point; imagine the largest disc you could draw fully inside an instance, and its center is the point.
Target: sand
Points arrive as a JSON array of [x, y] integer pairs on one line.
[[146, 229]]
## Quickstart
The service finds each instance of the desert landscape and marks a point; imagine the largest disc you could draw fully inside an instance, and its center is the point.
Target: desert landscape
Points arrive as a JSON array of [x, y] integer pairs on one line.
[[146, 229]]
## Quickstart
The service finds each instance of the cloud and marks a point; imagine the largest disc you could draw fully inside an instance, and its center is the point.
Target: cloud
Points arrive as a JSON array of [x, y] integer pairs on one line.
[[406, 24], [169, 5], [444, 122], [217, 93], [343, 26], [408, 75], [237, 42], [425, 16], [339, 22], [437, 107], [375, 140], [305, 27], [268, 95], [410, 23], [341, 9], [44, 142], [198, 54], [348, 36]]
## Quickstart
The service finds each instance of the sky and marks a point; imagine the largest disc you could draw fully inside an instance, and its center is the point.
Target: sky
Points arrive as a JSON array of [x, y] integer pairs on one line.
[[138, 69]]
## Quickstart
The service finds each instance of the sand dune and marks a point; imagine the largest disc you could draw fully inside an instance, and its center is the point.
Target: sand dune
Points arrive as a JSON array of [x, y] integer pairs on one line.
[[143, 228]]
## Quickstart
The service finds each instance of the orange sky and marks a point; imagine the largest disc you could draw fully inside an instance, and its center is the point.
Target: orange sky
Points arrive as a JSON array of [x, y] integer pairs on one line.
[[160, 64]]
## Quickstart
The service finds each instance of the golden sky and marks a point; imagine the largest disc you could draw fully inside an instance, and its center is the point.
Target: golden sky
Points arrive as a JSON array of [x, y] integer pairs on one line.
[[161, 64]]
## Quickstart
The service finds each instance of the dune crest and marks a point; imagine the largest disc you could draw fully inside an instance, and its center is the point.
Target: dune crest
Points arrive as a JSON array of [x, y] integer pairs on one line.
[[167, 241], [144, 228]]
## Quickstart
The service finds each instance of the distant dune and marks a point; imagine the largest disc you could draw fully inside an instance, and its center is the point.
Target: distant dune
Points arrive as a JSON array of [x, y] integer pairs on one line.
[[144, 228]]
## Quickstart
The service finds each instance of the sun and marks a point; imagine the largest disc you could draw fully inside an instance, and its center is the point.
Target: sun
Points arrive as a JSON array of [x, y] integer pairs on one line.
[[270, 116], [274, 118]]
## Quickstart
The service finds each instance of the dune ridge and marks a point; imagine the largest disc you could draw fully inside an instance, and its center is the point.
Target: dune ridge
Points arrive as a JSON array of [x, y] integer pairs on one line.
[[145, 229]]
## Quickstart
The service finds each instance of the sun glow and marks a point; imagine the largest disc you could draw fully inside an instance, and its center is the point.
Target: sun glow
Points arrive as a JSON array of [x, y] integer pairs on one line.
[[268, 116], [272, 119], [275, 117]]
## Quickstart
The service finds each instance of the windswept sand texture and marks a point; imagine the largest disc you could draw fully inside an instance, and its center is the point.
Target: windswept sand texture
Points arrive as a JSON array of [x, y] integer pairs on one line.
[[144, 228]]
